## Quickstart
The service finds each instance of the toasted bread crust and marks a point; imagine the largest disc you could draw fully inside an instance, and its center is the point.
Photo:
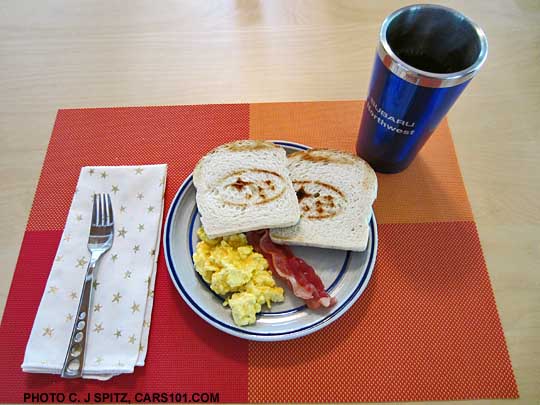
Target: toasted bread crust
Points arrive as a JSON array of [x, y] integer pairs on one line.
[[327, 155], [244, 145], [238, 146]]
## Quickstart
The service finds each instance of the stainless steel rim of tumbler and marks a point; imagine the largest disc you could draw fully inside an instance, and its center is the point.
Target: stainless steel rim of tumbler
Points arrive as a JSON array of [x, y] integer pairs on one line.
[[433, 29]]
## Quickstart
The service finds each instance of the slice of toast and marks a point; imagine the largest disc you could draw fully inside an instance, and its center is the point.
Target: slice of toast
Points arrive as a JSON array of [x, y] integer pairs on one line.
[[335, 191], [244, 186]]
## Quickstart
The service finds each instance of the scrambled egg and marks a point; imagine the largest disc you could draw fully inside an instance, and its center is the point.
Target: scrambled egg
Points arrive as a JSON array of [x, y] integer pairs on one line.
[[237, 273]]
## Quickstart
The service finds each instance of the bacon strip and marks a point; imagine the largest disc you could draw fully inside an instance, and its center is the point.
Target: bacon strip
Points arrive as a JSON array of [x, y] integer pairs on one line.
[[300, 276]]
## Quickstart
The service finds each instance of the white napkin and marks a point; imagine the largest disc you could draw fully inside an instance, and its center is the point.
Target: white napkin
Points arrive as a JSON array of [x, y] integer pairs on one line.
[[121, 311]]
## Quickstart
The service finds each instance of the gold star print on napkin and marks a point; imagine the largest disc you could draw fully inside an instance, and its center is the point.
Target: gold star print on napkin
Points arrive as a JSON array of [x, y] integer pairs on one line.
[[120, 313]]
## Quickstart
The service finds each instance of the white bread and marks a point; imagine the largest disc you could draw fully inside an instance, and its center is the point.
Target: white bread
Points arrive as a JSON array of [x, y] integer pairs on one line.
[[335, 191], [244, 186]]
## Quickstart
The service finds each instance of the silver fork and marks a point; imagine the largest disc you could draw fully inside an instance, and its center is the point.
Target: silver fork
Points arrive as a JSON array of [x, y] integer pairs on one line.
[[99, 241]]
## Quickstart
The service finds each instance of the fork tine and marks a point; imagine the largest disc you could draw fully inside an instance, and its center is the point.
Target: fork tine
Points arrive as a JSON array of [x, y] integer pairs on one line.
[[100, 210], [94, 211], [110, 219], [106, 209], [96, 206], [103, 210]]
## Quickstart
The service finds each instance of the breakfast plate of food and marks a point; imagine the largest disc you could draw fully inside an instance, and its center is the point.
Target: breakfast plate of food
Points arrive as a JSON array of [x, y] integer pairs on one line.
[[272, 240]]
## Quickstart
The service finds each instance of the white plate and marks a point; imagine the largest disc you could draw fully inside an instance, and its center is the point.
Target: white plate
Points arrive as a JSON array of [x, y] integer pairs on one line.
[[344, 274]]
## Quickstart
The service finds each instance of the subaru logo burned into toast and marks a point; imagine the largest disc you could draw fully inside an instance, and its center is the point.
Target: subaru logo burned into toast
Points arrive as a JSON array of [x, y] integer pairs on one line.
[[250, 187], [319, 200]]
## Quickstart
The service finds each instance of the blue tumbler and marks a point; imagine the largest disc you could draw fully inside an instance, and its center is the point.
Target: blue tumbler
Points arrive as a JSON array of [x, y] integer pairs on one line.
[[426, 56]]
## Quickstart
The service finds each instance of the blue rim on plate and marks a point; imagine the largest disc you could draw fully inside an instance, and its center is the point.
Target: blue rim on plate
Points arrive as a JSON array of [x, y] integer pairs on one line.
[[246, 332]]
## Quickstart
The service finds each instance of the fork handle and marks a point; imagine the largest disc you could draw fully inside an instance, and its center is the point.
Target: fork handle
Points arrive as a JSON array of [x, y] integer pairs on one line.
[[74, 362]]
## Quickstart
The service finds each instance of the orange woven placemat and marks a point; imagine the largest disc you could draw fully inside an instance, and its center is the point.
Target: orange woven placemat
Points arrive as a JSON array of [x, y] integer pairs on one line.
[[426, 327]]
